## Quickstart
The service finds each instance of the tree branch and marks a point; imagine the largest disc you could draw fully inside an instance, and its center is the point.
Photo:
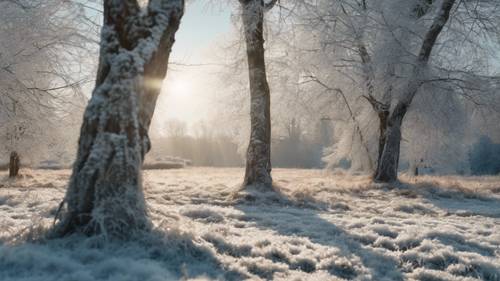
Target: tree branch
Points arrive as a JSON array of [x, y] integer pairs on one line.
[[269, 5], [434, 31]]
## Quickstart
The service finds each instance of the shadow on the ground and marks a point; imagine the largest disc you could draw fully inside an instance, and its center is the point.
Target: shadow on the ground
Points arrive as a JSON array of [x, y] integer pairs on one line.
[[287, 217], [283, 214], [155, 255], [454, 199]]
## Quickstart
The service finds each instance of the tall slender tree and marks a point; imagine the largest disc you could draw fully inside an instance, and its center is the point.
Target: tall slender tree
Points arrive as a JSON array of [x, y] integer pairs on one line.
[[105, 192], [258, 158]]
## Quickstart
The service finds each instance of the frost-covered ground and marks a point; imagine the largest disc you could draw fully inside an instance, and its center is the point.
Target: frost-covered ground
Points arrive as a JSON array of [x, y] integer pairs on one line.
[[320, 227]]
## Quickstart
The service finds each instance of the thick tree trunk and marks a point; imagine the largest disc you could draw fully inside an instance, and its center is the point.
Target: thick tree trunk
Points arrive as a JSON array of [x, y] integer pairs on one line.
[[105, 192], [258, 160], [14, 164], [387, 168], [382, 111]]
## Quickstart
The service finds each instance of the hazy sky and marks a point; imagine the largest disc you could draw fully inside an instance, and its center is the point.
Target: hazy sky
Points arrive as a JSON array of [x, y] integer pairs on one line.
[[188, 90]]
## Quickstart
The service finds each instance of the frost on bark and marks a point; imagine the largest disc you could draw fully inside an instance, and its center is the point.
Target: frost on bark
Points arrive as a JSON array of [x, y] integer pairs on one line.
[[258, 158], [105, 192], [387, 170]]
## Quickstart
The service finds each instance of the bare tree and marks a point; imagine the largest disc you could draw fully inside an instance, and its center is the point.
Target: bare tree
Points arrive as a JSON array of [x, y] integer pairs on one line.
[[375, 45], [105, 191], [258, 161], [35, 88], [387, 169]]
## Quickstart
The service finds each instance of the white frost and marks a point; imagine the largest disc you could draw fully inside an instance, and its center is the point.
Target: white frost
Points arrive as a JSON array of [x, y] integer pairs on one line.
[[326, 227]]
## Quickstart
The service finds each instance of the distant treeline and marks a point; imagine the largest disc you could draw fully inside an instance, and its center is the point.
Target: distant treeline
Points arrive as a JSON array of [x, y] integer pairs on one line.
[[293, 148], [292, 151], [218, 151], [222, 151]]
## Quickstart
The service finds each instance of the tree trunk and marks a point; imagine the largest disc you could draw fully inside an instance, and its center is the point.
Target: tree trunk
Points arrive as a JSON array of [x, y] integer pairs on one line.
[[14, 164], [389, 160], [105, 191], [387, 168], [258, 160], [382, 111], [383, 118]]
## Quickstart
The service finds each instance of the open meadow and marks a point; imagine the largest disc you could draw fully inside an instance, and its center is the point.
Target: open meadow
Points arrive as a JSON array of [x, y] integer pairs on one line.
[[318, 226]]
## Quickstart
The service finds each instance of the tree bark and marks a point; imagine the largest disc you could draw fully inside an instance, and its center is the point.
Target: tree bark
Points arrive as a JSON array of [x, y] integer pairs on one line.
[[387, 168], [258, 160], [389, 161], [383, 117], [105, 191], [382, 111], [14, 164]]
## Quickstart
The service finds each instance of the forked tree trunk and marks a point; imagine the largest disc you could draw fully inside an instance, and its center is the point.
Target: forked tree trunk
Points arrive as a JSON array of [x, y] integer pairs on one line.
[[105, 192], [382, 111], [389, 161], [387, 168], [14, 164], [379, 107], [258, 160]]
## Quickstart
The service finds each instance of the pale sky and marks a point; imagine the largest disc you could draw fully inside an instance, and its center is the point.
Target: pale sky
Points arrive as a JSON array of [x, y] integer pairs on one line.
[[188, 90], [203, 22]]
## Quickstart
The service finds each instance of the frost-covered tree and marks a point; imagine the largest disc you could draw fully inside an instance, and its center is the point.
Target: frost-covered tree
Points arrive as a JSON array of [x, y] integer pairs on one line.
[[105, 191], [349, 62], [258, 157], [42, 46], [387, 169], [365, 54]]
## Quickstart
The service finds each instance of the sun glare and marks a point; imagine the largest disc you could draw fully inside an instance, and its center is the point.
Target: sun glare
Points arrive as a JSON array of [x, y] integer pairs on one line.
[[178, 87]]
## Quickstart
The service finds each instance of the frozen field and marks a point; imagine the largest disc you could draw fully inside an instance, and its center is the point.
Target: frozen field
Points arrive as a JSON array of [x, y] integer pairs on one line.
[[318, 227]]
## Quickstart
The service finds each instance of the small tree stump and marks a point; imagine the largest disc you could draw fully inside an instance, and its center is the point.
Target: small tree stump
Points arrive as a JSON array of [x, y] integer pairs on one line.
[[14, 164]]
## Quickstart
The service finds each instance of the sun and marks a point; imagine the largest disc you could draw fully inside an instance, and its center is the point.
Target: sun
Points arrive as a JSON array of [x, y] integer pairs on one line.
[[178, 86]]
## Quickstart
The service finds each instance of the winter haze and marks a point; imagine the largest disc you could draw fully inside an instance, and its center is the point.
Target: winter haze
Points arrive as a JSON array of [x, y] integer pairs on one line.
[[249, 140]]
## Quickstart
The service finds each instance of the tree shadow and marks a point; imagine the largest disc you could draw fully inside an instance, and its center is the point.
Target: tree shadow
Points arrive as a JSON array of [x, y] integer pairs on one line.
[[453, 198], [154, 255], [289, 218], [458, 243]]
